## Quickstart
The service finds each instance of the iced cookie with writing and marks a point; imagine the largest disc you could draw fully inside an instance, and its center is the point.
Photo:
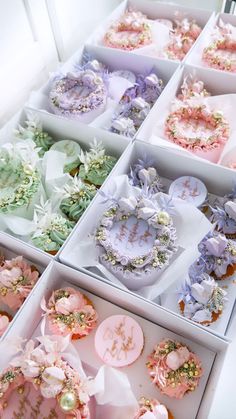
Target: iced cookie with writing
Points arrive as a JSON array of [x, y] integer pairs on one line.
[[119, 340]]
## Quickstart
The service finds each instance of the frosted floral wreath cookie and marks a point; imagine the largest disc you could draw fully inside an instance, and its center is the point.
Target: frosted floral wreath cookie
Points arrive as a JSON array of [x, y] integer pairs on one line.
[[66, 98], [17, 278], [69, 312], [136, 238], [43, 367], [220, 54], [189, 114], [131, 31], [174, 369]]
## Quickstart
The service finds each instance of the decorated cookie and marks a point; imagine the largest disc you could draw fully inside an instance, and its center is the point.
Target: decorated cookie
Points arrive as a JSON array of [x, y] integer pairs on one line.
[[68, 312], [198, 129], [152, 409], [41, 373], [34, 131], [17, 278], [218, 256], [174, 369], [81, 95], [76, 197], [202, 299], [131, 31], [96, 165], [119, 341], [72, 151], [220, 53], [189, 189], [136, 240]]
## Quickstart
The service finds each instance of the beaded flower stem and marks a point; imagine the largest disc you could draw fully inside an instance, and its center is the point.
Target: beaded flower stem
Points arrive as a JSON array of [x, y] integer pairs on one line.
[[213, 119]]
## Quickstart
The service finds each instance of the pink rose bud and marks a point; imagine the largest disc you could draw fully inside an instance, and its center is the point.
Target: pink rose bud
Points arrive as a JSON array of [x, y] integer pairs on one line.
[[175, 359]]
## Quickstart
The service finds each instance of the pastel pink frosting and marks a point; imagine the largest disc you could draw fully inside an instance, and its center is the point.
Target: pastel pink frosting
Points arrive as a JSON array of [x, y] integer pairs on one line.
[[44, 367], [17, 278], [4, 323], [174, 369], [151, 409], [69, 312]]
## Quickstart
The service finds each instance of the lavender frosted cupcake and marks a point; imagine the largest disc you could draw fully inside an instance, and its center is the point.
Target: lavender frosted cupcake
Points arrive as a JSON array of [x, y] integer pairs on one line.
[[202, 299], [96, 165], [135, 104], [144, 175], [136, 240], [224, 214], [218, 256]]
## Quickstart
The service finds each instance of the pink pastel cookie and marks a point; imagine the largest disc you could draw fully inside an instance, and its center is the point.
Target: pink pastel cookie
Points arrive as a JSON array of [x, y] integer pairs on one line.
[[119, 340]]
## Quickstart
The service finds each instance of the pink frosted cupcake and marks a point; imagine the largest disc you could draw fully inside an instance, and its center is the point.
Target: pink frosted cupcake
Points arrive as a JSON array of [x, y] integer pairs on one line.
[[17, 278], [70, 313], [152, 409], [174, 369], [5, 319]]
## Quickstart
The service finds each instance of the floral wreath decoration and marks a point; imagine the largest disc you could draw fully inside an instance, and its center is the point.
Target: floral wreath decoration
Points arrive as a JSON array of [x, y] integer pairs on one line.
[[214, 120], [44, 365], [130, 32]]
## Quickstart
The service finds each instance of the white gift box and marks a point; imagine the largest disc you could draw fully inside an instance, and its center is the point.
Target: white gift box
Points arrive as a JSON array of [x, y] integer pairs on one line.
[[195, 56], [80, 249], [115, 60], [10, 247], [156, 324], [63, 129], [218, 84], [153, 10]]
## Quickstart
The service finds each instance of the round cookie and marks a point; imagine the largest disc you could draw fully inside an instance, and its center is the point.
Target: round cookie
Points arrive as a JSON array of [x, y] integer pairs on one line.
[[119, 341], [189, 189]]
